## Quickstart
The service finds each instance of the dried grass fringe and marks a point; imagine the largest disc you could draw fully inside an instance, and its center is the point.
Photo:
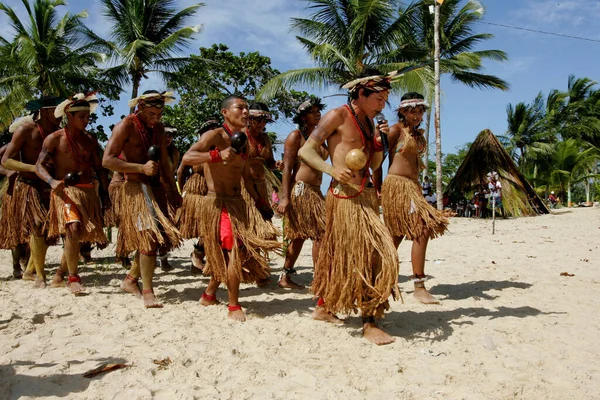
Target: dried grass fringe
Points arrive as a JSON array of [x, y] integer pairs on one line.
[[407, 213], [88, 204], [305, 214], [252, 239], [111, 216], [157, 232], [23, 214], [358, 265]]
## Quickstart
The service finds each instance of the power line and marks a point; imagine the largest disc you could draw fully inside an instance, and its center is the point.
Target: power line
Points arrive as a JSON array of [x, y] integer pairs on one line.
[[542, 32]]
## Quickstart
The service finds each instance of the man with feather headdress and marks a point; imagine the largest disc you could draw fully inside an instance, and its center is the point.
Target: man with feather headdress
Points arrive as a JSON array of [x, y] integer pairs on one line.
[[75, 210], [25, 216]]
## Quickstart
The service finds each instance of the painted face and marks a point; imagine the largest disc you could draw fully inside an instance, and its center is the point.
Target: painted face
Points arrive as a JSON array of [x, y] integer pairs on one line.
[[236, 113], [413, 115], [375, 103], [313, 117], [151, 115], [79, 119]]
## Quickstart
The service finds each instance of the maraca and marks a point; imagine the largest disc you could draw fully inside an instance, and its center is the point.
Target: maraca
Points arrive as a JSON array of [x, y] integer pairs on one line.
[[239, 140], [72, 178], [356, 159], [154, 153]]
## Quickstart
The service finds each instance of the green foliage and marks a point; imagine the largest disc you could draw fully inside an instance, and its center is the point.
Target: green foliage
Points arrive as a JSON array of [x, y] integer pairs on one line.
[[228, 74], [47, 55], [344, 38], [146, 36]]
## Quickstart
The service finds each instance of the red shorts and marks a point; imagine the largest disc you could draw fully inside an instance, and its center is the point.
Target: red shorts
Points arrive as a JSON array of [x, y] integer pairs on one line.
[[226, 231]]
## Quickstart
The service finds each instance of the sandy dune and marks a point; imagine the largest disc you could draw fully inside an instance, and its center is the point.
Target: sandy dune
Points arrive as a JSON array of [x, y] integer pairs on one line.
[[509, 327]]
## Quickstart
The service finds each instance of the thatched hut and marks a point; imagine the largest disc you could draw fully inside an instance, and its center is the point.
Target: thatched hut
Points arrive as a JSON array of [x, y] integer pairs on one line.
[[487, 154]]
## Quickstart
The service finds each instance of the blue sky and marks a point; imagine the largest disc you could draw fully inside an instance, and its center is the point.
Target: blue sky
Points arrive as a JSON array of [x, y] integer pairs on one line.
[[536, 62]]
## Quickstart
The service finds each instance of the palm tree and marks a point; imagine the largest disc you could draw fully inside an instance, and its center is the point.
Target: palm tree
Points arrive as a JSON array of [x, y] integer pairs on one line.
[[147, 35], [572, 160], [47, 56], [347, 37], [457, 57]]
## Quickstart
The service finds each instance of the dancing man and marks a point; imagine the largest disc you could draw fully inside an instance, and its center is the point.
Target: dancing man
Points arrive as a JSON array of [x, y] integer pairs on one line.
[[405, 210], [143, 225], [193, 191], [31, 195], [75, 210], [235, 236], [357, 265], [302, 204]]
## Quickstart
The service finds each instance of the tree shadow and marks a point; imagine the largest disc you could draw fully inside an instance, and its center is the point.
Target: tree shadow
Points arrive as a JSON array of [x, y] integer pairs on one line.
[[16, 385], [475, 289], [439, 325]]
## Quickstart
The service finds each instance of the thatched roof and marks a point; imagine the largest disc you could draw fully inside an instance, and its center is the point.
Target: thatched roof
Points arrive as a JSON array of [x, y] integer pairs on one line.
[[487, 154]]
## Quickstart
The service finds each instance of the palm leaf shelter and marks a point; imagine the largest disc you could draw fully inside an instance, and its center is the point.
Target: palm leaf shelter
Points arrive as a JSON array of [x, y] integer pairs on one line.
[[487, 154]]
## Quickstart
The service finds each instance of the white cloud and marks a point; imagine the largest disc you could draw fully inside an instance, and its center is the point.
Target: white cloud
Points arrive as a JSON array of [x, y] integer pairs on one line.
[[516, 65], [569, 17]]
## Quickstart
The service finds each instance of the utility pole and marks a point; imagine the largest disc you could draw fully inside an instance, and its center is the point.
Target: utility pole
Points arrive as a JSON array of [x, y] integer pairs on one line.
[[438, 137]]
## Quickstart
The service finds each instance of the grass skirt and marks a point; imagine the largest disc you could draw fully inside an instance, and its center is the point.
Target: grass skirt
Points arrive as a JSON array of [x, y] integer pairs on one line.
[[24, 213], [305, 215], [143, 225], [407, 213], [358, 264], [88, 204], [251, 244], [186, 218], [111, 216]]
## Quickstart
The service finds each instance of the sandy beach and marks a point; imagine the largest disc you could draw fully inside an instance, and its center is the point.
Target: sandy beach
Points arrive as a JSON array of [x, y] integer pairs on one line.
[[509, 326]]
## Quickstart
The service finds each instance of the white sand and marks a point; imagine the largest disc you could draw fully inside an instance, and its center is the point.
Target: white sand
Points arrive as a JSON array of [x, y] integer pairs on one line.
[[509, 327]]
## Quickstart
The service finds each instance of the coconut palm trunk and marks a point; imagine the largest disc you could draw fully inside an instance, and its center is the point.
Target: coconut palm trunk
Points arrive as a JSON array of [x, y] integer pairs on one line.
[[438, 135]]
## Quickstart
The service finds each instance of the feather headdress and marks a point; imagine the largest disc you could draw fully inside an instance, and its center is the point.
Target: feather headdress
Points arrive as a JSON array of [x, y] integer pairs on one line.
[[78, 102], [19, 122], [152, 95], [378, 83], [411, 103]]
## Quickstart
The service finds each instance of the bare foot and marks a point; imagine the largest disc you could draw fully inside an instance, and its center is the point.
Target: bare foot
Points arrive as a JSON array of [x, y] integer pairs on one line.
[[208, 300], [373, 334], [321, 314], [163, 263], [130, 285], [236, 313], [150, 301], [58, 280], [75, 286], [27, 276], [197, 257], [422, 295], [263, 283], [286, 282], [17, 272], [40, 283]]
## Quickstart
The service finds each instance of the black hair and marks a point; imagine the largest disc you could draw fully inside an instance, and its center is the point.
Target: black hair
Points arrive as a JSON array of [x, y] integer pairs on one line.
[[208, 126], [314, 102], [78, 103], [408, 96], [151, 92], [258, 105], [230, 99], [367, 92]]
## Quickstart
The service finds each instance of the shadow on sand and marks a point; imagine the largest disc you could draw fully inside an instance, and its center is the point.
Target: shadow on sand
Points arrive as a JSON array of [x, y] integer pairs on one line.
[[16, 385], [475, 289]]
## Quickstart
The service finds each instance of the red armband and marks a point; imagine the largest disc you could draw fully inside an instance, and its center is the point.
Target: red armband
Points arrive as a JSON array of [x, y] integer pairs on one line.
[[215, 155], [377, 146]]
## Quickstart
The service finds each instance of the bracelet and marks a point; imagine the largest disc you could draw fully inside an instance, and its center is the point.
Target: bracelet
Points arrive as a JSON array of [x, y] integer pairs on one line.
[[215, 156]]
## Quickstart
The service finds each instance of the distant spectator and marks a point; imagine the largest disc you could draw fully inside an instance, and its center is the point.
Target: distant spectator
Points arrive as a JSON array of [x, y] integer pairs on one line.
[[426, 186], [552, 200], [431, 198]]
